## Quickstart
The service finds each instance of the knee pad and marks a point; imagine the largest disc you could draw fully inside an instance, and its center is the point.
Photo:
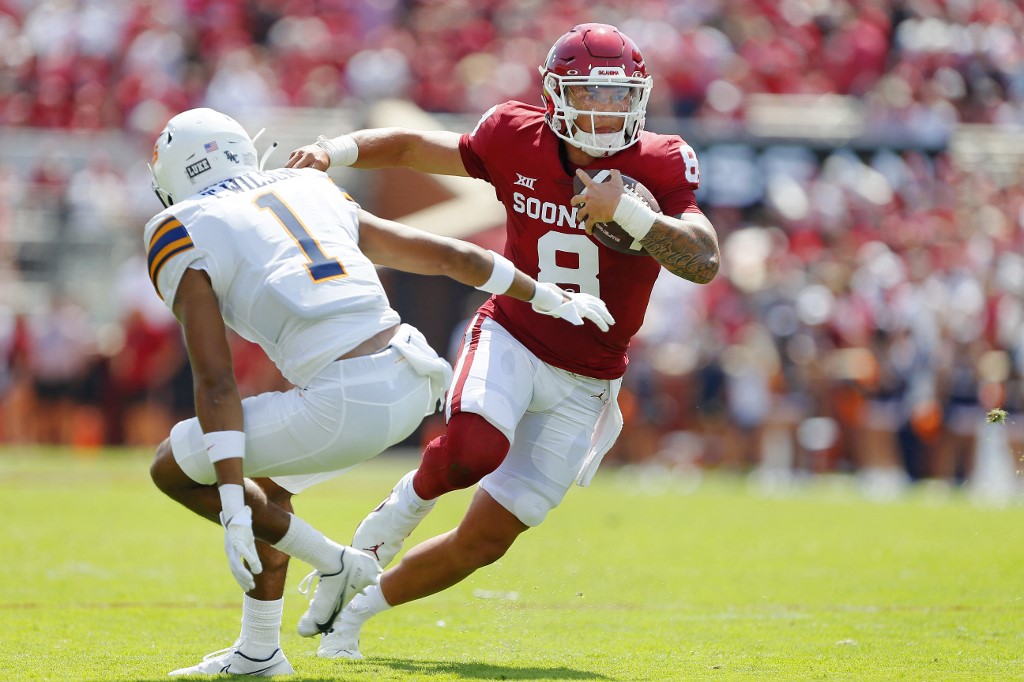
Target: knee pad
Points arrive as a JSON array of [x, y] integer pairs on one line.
[[531, 509], [470, 449], [527, 505]]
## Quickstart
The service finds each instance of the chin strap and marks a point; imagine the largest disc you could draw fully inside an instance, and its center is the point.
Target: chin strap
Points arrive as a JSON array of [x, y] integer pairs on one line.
[[270, 149], [266, 154], [600, 143]]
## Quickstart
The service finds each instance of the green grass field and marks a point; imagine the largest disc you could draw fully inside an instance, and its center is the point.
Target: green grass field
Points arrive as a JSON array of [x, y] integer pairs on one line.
[[631, 579]]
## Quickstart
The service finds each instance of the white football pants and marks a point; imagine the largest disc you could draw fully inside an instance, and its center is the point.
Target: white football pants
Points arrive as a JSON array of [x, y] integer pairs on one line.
[[352, 410], [549, 415]]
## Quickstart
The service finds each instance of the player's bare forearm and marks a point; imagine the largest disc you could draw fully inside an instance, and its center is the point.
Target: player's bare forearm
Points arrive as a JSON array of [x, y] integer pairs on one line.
[[405, 248], [427, 151], [229, 471], [686, 247]]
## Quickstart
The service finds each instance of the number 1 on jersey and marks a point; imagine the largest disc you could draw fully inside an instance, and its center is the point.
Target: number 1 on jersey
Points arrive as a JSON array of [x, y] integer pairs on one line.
[[320, 265]]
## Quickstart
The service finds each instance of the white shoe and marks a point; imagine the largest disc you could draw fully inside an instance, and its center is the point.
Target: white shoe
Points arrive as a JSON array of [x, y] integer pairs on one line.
[[233, 662], [333, 591], [384, 530], [342, 642]]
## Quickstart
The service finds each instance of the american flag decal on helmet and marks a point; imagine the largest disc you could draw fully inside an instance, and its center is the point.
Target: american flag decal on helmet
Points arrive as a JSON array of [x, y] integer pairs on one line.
[[210, 147]]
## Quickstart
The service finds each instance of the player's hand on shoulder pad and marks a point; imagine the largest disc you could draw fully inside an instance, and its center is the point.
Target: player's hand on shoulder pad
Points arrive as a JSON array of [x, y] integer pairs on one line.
[[309, 156], [571, 307], [239, 545]]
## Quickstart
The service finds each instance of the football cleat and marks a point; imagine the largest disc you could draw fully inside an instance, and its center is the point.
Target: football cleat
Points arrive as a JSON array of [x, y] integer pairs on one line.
[[343, 642], [334, 590], [384, 529], [233, 662]]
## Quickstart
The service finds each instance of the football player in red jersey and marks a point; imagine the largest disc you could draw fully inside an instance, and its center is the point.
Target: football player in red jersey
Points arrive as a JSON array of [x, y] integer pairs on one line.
[[533, 406]]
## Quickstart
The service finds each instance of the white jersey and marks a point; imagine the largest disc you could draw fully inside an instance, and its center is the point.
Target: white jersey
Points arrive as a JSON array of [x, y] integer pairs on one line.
[[281, 248]]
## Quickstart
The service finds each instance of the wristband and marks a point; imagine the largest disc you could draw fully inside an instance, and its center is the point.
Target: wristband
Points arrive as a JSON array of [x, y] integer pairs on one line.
[[224, 444], [342, 150], [546, 298], [501, 276], [232, 499], [634, 216]]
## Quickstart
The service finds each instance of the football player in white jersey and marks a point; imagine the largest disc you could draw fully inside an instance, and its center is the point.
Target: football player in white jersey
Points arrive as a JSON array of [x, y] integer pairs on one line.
[[286, 259]]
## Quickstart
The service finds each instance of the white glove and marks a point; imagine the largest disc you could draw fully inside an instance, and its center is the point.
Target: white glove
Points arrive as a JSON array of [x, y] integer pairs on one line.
[[550, 300], [240, 544]]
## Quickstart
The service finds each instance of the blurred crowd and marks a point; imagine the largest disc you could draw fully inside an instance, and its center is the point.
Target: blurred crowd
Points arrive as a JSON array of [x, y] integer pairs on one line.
[[91, 64], [870, 309]]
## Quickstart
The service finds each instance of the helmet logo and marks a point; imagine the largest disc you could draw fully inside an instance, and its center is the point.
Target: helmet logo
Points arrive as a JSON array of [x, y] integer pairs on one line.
[[607, 71], [231, 156], [210, 146], [200, 166]]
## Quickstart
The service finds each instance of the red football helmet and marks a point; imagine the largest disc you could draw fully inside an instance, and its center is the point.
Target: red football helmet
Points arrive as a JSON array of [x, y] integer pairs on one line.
[[594, 70]]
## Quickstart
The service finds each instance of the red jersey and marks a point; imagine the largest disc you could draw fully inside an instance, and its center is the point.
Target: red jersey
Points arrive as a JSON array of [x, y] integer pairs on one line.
[[513, 148]]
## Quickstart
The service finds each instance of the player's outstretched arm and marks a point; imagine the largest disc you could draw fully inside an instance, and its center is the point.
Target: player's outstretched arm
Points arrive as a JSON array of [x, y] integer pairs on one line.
[[399, 246], [434, 151]]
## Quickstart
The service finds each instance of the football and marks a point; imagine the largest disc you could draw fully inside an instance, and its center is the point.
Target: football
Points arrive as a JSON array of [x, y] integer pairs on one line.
[[611, 234]]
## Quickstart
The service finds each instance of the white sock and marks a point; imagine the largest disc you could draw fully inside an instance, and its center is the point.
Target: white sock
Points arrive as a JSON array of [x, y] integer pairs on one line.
[[408, 493], [261, 626], [304, 542], [364, 606]]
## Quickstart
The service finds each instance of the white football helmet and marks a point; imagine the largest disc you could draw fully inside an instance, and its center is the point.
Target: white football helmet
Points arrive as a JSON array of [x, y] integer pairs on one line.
[[198, 148], [594, 71]]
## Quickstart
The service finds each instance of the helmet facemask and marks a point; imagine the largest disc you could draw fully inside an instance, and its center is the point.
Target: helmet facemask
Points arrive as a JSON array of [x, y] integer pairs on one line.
[[163, 195], [594, 74], [606, 94]]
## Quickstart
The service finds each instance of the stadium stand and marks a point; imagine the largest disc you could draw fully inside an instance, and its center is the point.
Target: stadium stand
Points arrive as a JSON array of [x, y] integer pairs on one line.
[[862, 162]]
